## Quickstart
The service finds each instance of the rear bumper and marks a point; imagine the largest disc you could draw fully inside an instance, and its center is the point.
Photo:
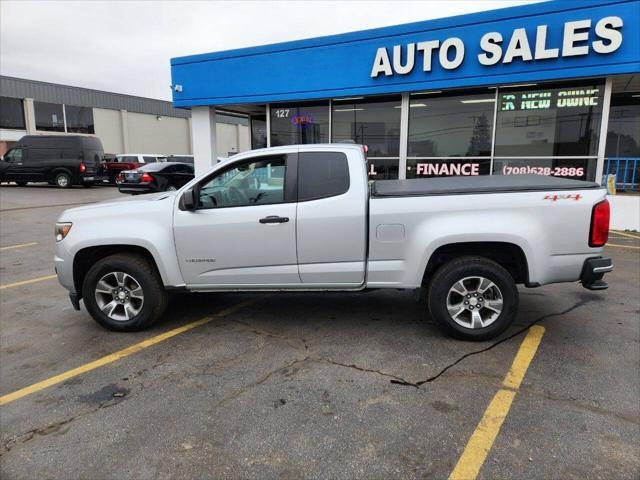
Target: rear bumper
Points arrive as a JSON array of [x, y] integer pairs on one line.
[[592, 272], [135, 188]]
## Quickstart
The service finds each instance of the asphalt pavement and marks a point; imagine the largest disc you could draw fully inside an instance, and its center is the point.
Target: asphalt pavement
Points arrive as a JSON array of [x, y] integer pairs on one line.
[[307, 385]]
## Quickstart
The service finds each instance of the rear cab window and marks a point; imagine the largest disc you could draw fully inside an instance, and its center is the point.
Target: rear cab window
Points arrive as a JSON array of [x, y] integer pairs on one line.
[[322, 175]]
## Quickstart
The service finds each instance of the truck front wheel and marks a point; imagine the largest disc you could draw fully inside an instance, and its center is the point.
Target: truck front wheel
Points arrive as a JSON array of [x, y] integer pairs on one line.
[[473, 298], [123, 292]]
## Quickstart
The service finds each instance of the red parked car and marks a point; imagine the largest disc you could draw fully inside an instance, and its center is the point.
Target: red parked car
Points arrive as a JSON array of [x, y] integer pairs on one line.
[[129, 161]]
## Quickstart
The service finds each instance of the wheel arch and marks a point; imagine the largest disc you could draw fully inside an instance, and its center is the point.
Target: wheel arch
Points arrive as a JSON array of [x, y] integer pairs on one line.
[[508, 255], [53, 173], [85, 258]]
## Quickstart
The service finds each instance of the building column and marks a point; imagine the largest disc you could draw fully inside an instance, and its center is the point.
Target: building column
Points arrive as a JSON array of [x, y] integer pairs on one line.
[[124, 123], [404, 136], [203, 123], [29, 116], [190, 136], [604, 129]]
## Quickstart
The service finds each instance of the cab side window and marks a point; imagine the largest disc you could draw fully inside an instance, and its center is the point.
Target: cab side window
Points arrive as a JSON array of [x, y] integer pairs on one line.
[[322, 175], [259, 181], [14, 155]]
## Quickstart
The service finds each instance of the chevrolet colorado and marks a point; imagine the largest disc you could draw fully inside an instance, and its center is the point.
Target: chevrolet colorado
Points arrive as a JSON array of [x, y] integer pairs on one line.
[[306, 218]]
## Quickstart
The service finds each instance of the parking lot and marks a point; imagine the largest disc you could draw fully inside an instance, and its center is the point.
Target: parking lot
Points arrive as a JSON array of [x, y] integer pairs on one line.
[[309, 385]]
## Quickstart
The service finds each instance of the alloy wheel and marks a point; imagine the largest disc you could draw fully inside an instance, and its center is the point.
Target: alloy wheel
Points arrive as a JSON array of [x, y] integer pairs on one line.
[[119, 296], [474, 302]]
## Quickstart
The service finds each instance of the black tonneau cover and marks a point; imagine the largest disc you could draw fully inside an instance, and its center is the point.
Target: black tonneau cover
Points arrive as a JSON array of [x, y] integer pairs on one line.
[[474, 185]]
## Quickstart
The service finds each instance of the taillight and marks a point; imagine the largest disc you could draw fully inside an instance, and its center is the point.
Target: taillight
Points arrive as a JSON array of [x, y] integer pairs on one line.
[[146, 177], [365, 150], [83, 167], [599, 233], [119, 179]]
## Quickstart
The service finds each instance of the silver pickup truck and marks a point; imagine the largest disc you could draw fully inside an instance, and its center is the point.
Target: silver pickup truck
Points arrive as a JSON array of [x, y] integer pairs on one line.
[[306, 218]]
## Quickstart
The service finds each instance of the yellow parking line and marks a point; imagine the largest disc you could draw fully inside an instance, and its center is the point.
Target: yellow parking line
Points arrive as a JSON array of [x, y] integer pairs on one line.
[[136, 347], [11, 247], [622, 246], [27, 282], [482, 439], [624, 234]]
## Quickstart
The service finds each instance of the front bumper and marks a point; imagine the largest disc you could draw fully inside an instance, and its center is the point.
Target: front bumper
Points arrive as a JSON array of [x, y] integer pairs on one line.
[[592, 272], [63, 261]]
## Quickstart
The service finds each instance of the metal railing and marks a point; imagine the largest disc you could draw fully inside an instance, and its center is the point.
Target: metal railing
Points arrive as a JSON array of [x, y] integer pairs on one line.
[[626, 170]]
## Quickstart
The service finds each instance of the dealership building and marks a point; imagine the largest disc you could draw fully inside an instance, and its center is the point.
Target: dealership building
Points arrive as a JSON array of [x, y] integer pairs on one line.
[[124, 123], [550, 88]]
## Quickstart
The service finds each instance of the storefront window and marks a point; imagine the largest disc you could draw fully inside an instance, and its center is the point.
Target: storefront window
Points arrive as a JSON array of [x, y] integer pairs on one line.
[[374, 122], [294, 124], [546, 122], [623, 137], [456, 125], [79, 119], [450, 134], [258, 131], [49, 117], [11, 113]]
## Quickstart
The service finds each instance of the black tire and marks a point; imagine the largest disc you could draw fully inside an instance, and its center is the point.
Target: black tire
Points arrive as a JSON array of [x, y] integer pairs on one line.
[[62, 180], [462, 268], [138, 267], [21, 184]]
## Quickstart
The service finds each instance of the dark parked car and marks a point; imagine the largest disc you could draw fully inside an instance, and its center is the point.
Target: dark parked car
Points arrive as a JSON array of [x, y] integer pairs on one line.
[[155, 177], [62, 160]]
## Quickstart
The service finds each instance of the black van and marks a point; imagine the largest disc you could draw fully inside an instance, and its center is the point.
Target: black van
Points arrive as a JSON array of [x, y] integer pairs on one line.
[[61, 160]]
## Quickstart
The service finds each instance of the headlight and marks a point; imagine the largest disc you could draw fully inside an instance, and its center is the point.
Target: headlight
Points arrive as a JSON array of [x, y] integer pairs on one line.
[[62, 230]]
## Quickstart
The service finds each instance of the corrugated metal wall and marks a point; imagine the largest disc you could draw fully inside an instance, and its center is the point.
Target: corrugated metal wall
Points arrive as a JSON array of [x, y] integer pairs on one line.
[[84, 97]]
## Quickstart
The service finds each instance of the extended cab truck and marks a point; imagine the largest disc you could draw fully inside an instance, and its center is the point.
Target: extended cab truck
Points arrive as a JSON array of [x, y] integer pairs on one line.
[[305, 218], [61, 160]]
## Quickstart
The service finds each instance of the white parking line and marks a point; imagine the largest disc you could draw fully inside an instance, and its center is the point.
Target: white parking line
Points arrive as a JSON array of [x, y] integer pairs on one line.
[[21, 245]]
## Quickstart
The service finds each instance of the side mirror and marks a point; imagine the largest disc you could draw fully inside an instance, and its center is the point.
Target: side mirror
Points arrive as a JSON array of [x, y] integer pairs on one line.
[[189, 199]]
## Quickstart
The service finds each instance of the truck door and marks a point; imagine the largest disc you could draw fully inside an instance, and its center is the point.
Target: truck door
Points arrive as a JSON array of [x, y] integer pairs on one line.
[[332, 219], [243, 233], [13, 168]]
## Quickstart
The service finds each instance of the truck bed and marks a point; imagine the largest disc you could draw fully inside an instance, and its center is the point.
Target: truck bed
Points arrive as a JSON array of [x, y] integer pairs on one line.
[[420, 187]]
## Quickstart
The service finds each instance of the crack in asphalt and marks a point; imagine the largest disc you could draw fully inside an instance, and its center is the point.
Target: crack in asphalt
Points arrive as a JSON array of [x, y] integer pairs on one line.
[[238, 393], [396, 379], [54, 427], [578, 304], [265, 333], [356, 367], [575, 402]]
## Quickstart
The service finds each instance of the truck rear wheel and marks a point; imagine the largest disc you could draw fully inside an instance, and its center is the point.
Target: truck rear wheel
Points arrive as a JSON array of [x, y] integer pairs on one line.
[[473, 298], [63, 180], [123, 292]]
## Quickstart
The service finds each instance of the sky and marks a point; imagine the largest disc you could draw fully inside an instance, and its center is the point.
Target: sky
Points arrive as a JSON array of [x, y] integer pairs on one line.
[[125, 46]]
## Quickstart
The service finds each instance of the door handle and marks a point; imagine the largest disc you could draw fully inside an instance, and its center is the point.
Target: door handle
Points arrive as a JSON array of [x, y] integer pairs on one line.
[[274, 219]]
